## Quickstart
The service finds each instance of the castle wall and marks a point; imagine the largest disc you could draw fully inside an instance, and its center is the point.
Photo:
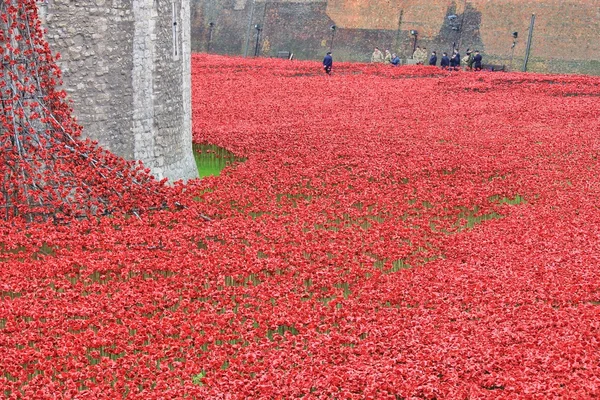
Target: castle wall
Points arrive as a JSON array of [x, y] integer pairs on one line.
[[565, 37], [127, 69]]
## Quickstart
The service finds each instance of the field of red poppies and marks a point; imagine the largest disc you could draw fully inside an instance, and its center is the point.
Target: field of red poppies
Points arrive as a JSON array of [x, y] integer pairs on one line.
[[394, 233]]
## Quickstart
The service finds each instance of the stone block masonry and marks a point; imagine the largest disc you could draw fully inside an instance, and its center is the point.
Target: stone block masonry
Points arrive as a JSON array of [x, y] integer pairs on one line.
[[565, 38], [126, 66]]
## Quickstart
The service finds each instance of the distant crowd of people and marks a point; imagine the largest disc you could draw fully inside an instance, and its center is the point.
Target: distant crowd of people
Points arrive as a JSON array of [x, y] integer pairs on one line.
[[389, 58], [472, 60]]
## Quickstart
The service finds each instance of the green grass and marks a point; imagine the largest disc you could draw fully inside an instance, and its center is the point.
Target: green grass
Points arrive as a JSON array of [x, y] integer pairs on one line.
[[197, 379], [211, 159]]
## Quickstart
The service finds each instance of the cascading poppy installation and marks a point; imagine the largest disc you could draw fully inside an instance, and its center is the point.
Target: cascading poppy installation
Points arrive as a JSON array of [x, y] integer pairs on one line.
[[393, 233]]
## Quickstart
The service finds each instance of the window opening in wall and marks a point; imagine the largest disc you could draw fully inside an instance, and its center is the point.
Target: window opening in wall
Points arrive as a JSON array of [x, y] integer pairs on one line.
[[154, 13], [175, 33], [42, 9]]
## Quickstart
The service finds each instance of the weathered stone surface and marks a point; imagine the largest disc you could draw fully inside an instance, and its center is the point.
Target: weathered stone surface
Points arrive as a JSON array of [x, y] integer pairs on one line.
[[127, 70], [565, 38]]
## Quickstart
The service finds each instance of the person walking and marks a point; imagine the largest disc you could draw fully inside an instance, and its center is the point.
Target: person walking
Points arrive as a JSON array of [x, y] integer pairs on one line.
[[377, 56], [477, 58], [433, 59], [445, 61], [328, 63]]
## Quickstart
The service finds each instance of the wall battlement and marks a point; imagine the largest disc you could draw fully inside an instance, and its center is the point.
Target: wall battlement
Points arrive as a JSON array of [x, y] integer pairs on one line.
[[565, 37]]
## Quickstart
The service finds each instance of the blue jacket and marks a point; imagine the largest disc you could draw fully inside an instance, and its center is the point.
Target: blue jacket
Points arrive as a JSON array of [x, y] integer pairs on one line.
[[396, 60], [433, 60], [328, 61], [445, 62], [477, 61], [455, 60]]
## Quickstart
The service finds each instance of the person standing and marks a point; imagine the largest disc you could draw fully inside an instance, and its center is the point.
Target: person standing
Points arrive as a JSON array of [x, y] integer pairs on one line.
[[455, 60], [477, 61], [377, 56], [445, 61], [433, 59], [388, 57], [328, 63], [417, 55], [468, 60], [423, 56]]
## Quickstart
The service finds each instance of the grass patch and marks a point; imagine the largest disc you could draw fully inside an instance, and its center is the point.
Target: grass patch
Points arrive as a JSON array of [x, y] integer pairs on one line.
[[211, 159]]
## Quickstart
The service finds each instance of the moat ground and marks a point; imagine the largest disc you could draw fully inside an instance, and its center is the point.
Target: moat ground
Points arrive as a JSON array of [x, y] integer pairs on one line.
[[393, 233]]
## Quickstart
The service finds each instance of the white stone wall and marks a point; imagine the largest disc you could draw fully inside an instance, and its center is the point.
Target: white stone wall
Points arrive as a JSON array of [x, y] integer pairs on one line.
[[144, 39], [131, 92], [186, 79]]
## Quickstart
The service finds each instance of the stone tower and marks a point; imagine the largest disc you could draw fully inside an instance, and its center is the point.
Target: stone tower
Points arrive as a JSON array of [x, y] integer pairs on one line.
[[126, 66]]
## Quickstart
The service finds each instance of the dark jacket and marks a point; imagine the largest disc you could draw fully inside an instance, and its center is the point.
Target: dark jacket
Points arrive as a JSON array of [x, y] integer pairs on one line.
[[445, 62], [328, 61], [455, 60], [477, 61], [433, 60], [396, 60]]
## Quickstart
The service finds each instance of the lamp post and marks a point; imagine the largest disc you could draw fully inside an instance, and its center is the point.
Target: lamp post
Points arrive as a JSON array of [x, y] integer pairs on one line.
[[461, 24], [249, 28], [515, 35], [414, 34], [258, 29], [529, 39], [455, 26], [211, 25], [332, 28]]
